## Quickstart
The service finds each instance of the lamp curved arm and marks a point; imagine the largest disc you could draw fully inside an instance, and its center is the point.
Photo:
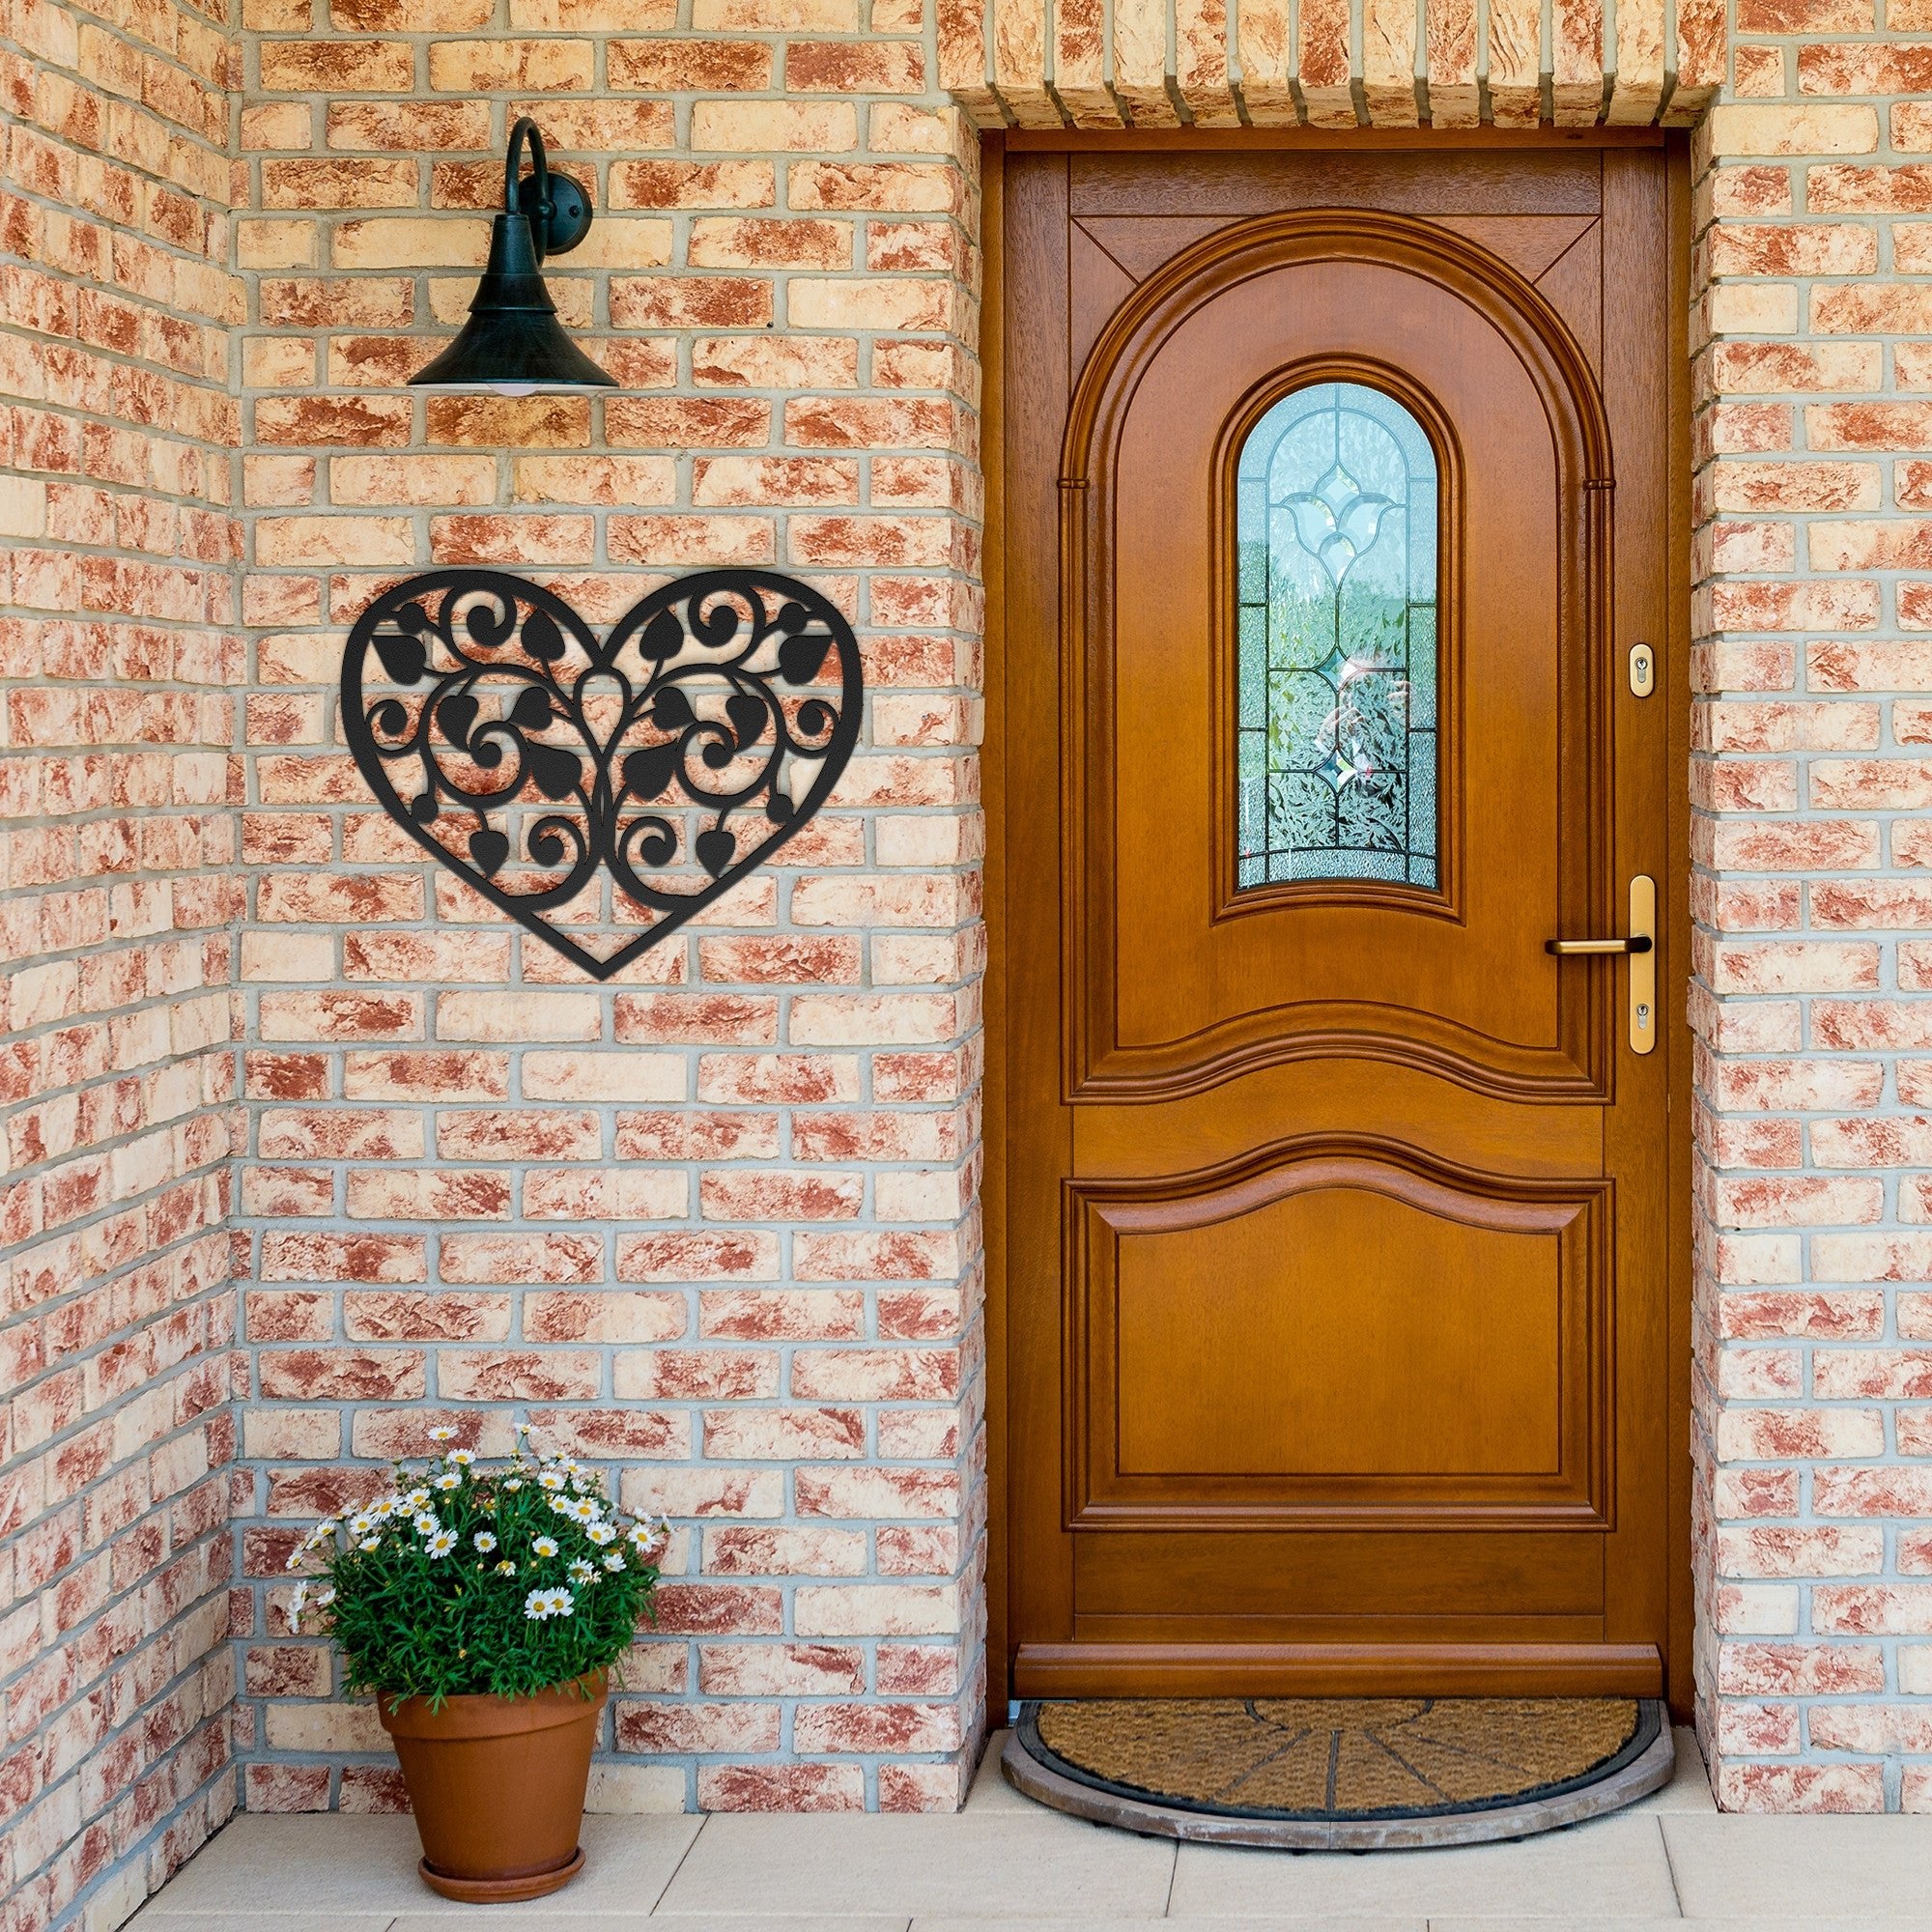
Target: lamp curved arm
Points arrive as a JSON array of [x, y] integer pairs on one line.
[[527, 130]]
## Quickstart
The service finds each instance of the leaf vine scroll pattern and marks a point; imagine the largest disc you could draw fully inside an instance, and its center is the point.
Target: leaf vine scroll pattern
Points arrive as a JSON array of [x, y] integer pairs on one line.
[[601, 794]]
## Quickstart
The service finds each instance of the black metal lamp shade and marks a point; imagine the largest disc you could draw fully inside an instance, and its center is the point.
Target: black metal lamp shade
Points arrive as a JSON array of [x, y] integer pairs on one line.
[[513, 343]]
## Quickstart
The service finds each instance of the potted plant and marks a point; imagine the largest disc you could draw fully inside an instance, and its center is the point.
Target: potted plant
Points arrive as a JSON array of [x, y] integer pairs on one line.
[[484, 1609]]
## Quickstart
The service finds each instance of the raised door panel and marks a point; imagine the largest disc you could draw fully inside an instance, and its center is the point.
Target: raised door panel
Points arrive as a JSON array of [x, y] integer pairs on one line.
[[1342, 1332], [1339, 1335]]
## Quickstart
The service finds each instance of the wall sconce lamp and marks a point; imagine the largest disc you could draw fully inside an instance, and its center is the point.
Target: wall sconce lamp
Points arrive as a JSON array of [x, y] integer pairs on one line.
[[513, 343]]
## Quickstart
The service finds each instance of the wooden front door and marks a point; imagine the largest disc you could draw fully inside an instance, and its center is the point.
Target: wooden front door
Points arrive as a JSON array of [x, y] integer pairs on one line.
[[1339, 1230]]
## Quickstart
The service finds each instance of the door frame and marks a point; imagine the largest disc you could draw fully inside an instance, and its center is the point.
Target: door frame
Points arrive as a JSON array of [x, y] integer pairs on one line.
[[1675, 689]]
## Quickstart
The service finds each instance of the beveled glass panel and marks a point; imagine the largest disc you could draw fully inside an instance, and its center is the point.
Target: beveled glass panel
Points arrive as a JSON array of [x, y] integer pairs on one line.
[[1336, 588]]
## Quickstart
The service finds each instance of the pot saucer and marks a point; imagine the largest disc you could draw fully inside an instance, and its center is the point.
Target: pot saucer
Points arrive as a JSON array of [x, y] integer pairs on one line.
[[505, 1890]]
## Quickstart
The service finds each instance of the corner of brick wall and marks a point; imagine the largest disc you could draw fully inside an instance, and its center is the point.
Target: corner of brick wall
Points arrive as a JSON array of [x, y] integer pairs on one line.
[[119, 669], [1810, 780], [711, 1225]]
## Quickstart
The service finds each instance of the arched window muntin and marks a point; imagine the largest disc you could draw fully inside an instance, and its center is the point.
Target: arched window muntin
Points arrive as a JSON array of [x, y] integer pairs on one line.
[[1338, 597]]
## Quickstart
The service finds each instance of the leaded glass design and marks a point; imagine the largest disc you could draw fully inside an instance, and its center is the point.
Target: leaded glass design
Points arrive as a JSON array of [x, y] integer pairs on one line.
[[1336, 691]]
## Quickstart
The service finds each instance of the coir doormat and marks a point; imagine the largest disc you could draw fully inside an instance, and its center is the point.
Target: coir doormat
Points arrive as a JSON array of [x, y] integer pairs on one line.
[[1340, 1772]]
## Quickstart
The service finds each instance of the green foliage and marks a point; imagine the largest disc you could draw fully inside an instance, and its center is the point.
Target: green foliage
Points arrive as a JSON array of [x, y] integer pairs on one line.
[[463, 1578]]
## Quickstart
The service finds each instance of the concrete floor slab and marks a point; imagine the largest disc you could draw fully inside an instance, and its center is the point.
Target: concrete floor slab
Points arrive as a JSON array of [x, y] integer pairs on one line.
[[1567, 1922], [1690, 1786], [156, 1921], [1871, 1870], [1615, 1867], [992, 1864], [274, 1868], [560, 1914], [990, 1790], [1324, 1923]]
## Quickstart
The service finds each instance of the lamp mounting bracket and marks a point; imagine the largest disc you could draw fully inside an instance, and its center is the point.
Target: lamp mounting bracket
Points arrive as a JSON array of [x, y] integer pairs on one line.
[[557, 208]]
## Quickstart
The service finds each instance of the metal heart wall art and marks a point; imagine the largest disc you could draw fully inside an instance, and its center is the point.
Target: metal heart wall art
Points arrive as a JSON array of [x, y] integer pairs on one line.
[[601, 794]]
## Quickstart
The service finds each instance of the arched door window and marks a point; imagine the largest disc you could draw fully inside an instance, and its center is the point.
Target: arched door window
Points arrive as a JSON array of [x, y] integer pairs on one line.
[[1336, 524]]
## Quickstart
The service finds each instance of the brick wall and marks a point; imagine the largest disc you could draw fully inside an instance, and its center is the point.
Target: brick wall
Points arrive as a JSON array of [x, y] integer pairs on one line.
[[711, 1225], [1811, 783], [715, 1224], [118, 895]]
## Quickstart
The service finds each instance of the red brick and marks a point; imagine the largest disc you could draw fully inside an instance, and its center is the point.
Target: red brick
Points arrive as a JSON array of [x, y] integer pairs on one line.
[[782, 1787]]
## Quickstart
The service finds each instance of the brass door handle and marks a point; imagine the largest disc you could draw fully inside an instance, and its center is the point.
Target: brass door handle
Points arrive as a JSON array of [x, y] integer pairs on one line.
[[1641, 946], [1570, 948]]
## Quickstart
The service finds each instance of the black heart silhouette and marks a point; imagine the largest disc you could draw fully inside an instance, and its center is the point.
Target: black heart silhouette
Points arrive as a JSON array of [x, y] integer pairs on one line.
[[533, 761]]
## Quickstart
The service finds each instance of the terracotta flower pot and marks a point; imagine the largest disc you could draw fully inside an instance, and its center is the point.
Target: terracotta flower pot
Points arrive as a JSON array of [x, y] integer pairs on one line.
[[497, 1786]]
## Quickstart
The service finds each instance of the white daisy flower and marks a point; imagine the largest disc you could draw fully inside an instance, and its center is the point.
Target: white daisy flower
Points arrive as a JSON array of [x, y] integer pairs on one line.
[[451, 1479], [370, 1543], [387, 1507], [462, 1458], [426, 1523], [442, 1435], [515, 1483], [416, 1498], [541, 1605], [584, 1510], [581, 1573], [506, 1568], [485, 1541], [325, 1596], [614, 1561], [645, 1537], [361, 1523], [544, 1546], [600, 1533], [551, 1480], [441, 1542]]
